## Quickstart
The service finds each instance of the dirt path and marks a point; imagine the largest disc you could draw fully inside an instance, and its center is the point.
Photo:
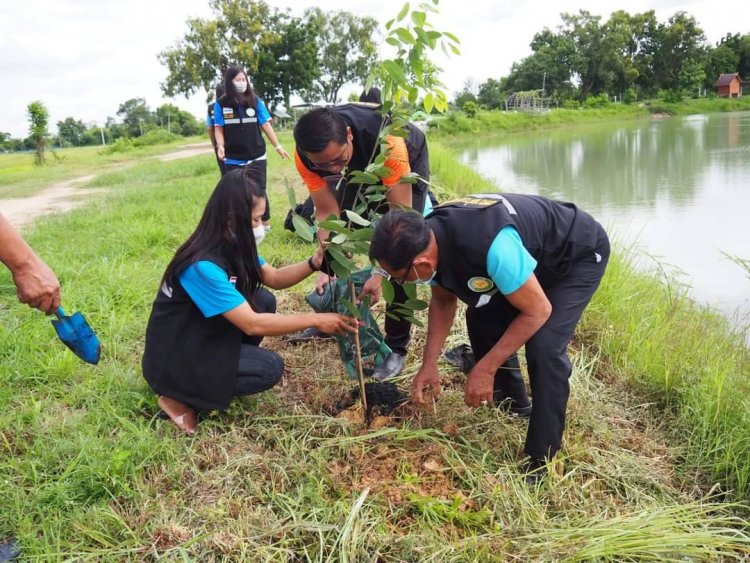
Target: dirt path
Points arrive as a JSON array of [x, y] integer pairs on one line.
[[67, 195]]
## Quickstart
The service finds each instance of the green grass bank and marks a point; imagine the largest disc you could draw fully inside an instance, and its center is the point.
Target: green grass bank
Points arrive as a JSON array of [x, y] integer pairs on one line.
[[497, 121], [88, 473]]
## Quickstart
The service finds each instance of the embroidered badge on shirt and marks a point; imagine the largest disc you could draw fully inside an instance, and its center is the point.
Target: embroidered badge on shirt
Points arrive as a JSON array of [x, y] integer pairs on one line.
[[480, 285], [233, 280]]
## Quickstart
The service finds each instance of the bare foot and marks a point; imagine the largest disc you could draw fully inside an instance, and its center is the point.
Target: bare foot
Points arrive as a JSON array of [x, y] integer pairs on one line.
[[181, 414]]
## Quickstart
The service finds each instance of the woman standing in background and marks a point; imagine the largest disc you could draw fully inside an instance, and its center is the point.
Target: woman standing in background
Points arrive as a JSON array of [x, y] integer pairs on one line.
[[239, 117]]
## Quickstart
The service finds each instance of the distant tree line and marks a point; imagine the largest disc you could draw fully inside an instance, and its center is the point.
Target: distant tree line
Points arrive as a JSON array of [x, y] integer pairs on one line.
[[311, 57], [627, 57], [134, 119]]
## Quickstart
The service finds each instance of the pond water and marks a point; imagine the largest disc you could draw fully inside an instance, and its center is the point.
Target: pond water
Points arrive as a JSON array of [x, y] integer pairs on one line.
[[677, 188]]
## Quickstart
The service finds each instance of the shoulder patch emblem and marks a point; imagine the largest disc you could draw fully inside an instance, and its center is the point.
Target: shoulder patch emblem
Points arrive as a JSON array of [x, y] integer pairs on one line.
[[480, 285]]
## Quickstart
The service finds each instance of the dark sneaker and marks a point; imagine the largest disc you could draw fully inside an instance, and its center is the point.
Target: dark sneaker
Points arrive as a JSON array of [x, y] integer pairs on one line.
[[535, 470], [390, 368], [306, 335]]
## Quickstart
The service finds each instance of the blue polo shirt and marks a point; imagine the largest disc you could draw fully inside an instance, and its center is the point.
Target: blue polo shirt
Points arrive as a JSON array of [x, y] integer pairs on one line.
[[508, 262], [209, 287]]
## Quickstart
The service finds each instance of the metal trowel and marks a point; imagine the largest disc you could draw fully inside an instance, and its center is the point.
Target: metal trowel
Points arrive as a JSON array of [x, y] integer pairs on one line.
[[77, 335]]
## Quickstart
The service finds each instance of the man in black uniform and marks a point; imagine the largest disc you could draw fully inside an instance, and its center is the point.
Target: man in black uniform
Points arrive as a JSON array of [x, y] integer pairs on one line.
[[527, 267], [331, 141]]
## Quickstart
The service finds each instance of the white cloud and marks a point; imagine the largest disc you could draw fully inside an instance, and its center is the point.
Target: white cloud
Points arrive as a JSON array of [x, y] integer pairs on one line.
[[85, 57]]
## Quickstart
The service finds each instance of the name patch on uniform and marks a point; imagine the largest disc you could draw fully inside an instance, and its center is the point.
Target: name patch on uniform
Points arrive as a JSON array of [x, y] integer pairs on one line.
[[479, 284], [233, 280], [228, 112]]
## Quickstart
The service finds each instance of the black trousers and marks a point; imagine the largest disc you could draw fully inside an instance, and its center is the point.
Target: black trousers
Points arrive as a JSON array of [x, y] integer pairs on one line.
[[258, 369], [398, 332], [546, 352], [258, 169]]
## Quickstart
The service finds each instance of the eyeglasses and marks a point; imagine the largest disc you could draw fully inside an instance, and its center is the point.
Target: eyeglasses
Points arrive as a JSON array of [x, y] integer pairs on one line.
[[339, 162], [402, 280]]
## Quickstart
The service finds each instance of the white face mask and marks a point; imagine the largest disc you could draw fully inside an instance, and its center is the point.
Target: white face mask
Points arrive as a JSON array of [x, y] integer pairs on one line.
[[260, 233], [240, 86], [427, 281]]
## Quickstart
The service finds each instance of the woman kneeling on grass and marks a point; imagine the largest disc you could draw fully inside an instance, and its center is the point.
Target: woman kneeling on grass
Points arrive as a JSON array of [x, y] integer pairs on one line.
[[211, 312]]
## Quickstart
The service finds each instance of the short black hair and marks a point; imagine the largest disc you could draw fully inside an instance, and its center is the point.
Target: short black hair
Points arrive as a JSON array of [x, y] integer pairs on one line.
[[400, 235], [317, 128]]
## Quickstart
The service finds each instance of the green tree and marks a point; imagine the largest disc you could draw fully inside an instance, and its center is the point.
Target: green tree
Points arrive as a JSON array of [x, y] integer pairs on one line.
[[740, 45], [630, 41], [277, 50], [681, 48], [721, 60], [177, 121], [490, 94], [346, 51], [136, 116], [71, 130], [465, 95], [38, 119], [290, 63], [593, 59]]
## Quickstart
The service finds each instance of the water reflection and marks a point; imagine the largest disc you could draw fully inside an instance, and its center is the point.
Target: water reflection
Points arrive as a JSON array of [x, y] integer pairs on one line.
[[679, 187]]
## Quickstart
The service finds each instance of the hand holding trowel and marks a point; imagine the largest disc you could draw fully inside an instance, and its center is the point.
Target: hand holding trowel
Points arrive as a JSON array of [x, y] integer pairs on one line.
[[77, 335]]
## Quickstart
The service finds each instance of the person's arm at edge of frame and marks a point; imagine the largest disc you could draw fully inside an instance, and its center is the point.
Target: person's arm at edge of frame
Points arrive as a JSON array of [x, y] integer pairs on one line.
[[36, 283], [440, 317], [533, 311]]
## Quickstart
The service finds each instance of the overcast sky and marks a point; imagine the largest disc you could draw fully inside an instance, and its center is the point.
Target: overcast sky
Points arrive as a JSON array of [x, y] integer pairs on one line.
[[83, 58]]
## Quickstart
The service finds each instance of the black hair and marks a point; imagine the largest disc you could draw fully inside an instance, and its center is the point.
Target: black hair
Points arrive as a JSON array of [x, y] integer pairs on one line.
[[247, 98], [219, 90], [399, 237], [372, 96], [225, 231], [317, 128]]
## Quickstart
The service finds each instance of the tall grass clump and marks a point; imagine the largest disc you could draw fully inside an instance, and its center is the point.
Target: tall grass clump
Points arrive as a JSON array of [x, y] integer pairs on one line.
[[688, 356]]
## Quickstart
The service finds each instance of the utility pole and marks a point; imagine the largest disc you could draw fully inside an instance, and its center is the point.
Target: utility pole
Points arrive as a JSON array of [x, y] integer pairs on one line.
[[544, 81], [101, 130]]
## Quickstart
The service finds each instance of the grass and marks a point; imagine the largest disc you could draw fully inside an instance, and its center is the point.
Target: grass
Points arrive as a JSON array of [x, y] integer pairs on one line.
[[19, 177], [88, 473]]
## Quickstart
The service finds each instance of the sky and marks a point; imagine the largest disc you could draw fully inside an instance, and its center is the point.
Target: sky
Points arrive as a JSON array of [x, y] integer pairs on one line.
[[83, 58]]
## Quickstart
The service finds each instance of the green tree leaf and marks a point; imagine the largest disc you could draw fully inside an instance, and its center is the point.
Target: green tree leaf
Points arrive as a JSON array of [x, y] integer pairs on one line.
[[357, 219], [389, 291]]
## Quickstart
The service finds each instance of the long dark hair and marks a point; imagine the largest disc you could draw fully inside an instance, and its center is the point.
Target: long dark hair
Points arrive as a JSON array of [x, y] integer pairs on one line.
[[247, 99], [225, 231]]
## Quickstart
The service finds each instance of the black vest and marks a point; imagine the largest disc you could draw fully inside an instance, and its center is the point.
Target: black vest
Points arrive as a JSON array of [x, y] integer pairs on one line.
[[555, 234], [365, 122], [189, 357], [242, 137]]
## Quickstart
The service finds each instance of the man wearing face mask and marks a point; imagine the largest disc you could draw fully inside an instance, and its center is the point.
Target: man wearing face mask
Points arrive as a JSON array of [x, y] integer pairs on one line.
[[527, 267]]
